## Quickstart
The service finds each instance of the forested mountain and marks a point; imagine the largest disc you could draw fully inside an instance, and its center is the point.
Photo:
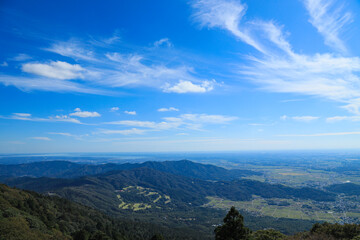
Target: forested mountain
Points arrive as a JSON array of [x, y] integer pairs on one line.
[[31, 216], [65, 169], [181, 189]]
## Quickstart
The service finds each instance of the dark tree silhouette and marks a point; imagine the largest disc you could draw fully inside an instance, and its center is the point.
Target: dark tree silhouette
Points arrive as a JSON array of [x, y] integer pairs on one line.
[[157, 237], [233, 227]]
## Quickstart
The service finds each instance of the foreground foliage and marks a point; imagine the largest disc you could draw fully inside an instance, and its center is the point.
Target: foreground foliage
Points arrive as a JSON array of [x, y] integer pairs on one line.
[[234, 229]]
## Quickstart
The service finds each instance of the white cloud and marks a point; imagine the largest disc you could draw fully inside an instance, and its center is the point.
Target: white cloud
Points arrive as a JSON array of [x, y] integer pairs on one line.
[[63, 118], [148, 124], [328, 19], [102, 70], [114, 109], [131, 71], [163, 41], [280, 68], [116, 70], [284, 117], [324, 75], [226, 15], [61, 134], [133, 131], [130, 112], [57, 70], [205, 118], [72, 49], [258, 124], [182, 134], [321, 134], [189, 121], [4, 64], [300, 118], [21, 57], [41, 138], [28, 117], [343, 118], [305, 118], [84, 114], [22, 114], [170, 109], [51, 85], [77, 137], [189, 87]]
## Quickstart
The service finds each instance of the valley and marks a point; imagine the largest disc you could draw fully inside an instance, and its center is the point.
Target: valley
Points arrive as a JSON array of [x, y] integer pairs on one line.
[[193, 195]]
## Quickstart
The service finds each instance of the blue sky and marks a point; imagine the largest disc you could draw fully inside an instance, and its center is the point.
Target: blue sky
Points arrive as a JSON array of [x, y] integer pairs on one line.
[[202, 75]]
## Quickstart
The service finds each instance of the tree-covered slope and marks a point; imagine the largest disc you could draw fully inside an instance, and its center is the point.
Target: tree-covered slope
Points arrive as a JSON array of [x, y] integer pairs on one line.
[[100, 191], [346, 188], [29, 215]]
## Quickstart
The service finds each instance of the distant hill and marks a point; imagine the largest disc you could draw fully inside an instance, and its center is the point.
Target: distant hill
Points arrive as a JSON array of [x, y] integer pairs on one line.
[[99, 191], [345, 188], [65, 169]]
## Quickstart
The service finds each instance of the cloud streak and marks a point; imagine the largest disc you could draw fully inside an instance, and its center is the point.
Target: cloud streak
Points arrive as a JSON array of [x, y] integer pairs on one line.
[[321, 134], [41, 138], [300, 118], [225, 15], [329, 19], [101, 69], [281, 69], [188, 121], [170, 109], [29, 117]]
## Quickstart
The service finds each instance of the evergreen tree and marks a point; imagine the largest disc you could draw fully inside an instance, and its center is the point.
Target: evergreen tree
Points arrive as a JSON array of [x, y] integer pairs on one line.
[[233, 227], [157, 237]]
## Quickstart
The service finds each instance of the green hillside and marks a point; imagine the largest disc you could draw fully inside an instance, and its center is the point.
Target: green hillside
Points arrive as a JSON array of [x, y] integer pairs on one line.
[[31, 216]]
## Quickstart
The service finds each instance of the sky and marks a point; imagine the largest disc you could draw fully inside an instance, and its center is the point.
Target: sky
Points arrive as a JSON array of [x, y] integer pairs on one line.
[[181, 75]]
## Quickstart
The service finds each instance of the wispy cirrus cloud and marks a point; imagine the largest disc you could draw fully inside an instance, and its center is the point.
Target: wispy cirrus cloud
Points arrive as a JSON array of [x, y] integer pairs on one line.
[[189, 121], [163, 42], [73, 49], [279, 68], [32, 83], [132, 131], [21, 57], [65, 134], [300, 118], [343, 118], [41, 138], [170, 109], [101, 69], [22, 114], [225, 15], [29, 117], [164, 125], [329, 19], [61, 134], [321, 134]]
